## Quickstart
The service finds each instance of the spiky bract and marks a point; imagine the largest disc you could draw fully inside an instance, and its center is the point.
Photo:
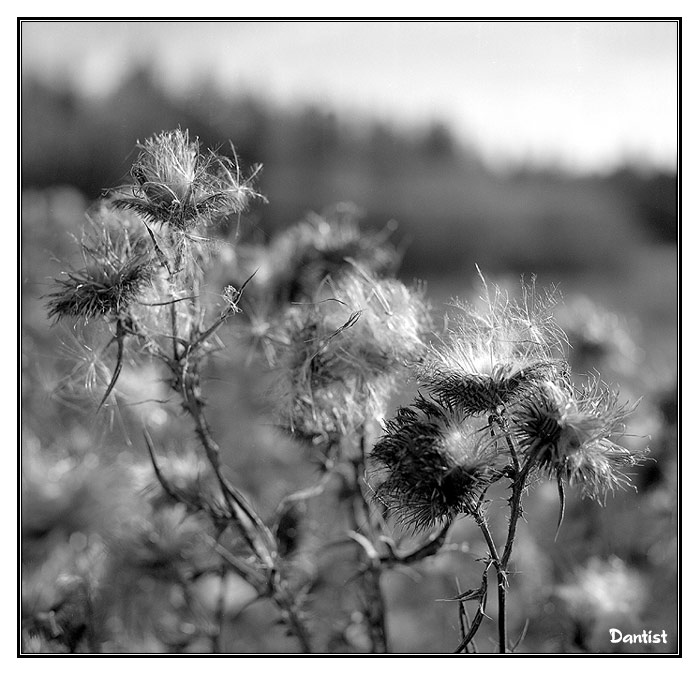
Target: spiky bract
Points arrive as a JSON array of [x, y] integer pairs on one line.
[[569, 435], [433, 464], [479, 393], [118, 266]]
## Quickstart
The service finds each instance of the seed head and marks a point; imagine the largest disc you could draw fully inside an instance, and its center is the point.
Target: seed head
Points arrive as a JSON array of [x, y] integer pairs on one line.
[[298, 260], [570, 435], [389, 332], [116, 269], [176, 183], [433, 464], [489, 356], [343, 353]]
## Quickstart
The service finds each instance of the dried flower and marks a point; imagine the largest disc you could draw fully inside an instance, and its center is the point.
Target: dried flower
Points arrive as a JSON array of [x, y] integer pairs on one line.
[[343, 353], [435, 464], [176, 183], [390, 330], [490, 356], [300, 259], [117, 267], [569, 435]]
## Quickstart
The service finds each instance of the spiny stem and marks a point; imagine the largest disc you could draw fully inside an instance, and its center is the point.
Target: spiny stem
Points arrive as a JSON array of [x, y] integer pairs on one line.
[[480, 612], [501, 561], [502, 578], [516, 507]]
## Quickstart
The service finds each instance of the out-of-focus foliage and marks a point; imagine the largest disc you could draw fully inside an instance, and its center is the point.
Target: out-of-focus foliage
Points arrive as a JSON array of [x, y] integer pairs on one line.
[[451, 208]]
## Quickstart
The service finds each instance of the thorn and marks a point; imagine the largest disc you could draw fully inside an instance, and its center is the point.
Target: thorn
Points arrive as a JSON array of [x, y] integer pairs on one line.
[[118, 368], [562, 506]]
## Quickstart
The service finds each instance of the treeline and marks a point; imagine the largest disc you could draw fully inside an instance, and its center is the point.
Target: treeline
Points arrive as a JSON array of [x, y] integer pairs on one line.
[[447, 204]]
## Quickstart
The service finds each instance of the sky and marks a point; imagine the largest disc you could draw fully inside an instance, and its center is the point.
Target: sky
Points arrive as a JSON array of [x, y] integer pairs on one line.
[[585, 95]]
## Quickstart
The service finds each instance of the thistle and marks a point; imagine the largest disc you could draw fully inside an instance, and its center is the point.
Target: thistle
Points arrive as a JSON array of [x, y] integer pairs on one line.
[[434, 465], [489, 357], [496, 404], [177, 184], [343, 353], [570, 435], [117, 269], [297, 261]]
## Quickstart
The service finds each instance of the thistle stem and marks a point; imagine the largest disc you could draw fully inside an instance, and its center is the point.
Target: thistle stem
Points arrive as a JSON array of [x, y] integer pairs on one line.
[[497, 561], [360, 515], [220, 613], [500, 561]]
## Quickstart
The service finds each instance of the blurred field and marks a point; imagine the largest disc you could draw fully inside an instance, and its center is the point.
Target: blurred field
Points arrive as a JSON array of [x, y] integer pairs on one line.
[[608, 242]]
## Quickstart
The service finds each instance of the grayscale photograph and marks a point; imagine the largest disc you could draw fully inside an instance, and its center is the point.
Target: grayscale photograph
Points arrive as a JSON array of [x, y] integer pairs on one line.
[[349, 337]]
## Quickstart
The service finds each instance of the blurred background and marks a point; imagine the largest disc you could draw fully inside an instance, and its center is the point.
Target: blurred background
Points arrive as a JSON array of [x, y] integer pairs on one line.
[[528, 147]]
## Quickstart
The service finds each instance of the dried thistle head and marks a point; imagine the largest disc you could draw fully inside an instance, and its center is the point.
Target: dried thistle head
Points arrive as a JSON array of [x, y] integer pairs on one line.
[[343, 353], [571, 435], [325, 415], [433, 465], [390, 330], [480, 393], [176, 183], [489, 356], [314, 401], [298, 260], [117, 267]]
